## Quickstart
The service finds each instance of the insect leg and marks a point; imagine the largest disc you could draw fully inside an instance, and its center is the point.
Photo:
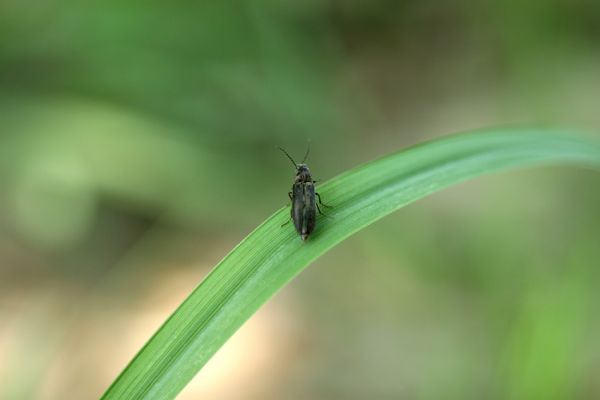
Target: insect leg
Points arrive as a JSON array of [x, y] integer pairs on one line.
[[319, 209], [320, 202], [290, 196], [321, 212]]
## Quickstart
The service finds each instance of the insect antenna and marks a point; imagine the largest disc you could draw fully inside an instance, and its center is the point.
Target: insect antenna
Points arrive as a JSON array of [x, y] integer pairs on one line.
[[288, 156], [307, 151]]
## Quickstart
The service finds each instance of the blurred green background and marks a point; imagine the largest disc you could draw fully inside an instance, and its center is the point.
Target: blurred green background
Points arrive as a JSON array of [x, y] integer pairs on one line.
[[137, 147]]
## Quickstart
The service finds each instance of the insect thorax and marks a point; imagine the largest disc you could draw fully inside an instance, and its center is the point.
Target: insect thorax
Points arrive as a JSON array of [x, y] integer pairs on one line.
[[303, 174]]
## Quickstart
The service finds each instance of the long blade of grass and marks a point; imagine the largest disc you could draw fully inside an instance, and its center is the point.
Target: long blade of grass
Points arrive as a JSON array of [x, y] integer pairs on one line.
[[271, 255]]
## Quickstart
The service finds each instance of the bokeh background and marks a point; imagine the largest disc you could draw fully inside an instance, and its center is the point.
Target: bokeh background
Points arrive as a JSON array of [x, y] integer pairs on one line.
[[137, 147]]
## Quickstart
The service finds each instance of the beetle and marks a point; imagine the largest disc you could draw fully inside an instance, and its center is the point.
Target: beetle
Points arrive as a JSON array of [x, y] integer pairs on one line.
[[304, 207]]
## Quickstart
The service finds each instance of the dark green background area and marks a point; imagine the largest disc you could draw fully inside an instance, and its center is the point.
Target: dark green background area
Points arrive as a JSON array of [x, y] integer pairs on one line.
[[138, 146]]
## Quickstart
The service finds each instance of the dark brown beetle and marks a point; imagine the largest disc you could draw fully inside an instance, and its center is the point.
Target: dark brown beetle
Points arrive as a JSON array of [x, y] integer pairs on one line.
[[304, 207]]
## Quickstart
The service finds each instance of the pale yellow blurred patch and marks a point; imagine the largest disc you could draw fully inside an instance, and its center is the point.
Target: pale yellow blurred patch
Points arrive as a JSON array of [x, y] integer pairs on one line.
[[66, 343]]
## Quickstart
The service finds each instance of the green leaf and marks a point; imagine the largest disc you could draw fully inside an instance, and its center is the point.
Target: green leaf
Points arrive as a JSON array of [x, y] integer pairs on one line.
[[272, 255]]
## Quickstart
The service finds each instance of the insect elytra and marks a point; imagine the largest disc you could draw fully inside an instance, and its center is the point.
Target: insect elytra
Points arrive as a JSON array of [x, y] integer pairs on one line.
[[303, 197]]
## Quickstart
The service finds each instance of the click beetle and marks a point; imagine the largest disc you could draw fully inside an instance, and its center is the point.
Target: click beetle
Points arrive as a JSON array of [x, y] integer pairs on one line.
[[304, 206]]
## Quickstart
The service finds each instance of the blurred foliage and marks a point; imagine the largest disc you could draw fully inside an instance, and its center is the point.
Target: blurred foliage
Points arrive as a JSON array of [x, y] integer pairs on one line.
[[131, 130]]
